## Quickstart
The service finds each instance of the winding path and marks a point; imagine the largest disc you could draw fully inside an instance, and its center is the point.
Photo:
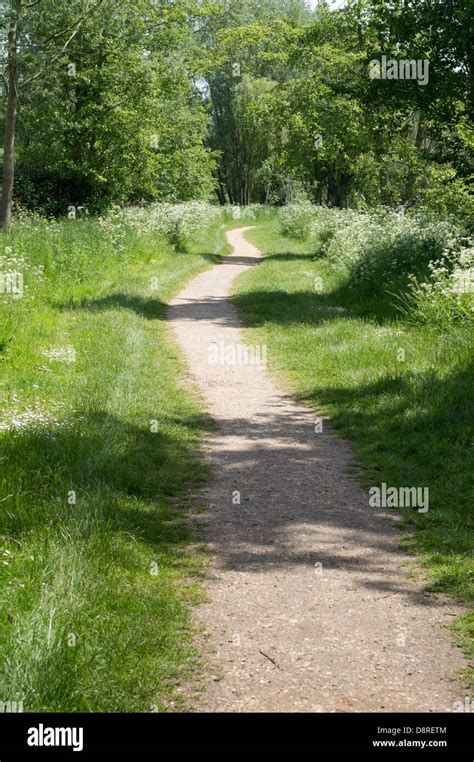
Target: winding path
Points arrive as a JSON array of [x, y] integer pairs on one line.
[[310, 607]]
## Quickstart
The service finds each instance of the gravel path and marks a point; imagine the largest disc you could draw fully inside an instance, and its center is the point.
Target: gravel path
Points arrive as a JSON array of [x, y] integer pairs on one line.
[[310, 607]]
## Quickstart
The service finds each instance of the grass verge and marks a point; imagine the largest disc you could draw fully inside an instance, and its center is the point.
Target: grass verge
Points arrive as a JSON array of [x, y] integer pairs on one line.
[[97, 443]]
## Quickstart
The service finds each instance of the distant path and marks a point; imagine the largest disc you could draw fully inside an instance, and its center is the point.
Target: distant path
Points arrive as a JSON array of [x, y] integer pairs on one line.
[[285, 635]]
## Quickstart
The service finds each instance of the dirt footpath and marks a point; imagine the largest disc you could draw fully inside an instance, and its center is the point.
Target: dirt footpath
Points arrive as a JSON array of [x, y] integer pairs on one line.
[[311, 608]]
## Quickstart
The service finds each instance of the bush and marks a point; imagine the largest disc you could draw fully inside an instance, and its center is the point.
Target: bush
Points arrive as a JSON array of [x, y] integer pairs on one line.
[[176, 223], [296, 220], [448, 296], [423, 262], [321, 223], [398, 249], [451, 198]]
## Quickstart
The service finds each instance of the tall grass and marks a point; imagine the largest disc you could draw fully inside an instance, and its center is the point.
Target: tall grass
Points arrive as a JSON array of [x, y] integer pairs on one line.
[[97, 444]]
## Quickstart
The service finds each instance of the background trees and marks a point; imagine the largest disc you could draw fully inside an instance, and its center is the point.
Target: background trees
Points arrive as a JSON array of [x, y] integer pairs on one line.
[[108, 109], [251, 100]]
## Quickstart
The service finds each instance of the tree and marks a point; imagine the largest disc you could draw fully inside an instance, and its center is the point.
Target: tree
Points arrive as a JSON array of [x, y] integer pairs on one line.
[[247, 44], [108, 89], [10, 118], [20, 20]]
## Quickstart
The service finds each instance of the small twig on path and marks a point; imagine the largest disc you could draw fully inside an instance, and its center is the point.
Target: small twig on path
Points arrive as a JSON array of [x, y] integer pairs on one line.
[[269, 659]]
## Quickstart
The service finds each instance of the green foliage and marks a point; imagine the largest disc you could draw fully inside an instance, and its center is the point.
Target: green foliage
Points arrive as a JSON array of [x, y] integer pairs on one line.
[[420, 264], [293, 106], [447, 297], [127, 109], [450, 196], [296, 220], [118, 111], [396, 249], [261, 101], [98, 590]]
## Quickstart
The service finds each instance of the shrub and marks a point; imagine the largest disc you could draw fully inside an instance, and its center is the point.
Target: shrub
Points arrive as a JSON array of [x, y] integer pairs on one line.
[[400, 248], [296, 220], [448, 296], [176, 223], [423, 262]]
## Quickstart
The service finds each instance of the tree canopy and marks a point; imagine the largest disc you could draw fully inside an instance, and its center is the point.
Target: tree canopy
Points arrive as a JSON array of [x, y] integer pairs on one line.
[[240, 100]]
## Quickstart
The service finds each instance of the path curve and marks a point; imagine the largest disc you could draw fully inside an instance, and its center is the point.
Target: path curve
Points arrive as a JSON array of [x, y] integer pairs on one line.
[[310, 607]]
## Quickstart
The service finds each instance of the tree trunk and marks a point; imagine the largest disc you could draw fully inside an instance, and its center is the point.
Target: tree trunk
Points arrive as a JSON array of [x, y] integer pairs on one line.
[[333, 195], [9, 135], [420, 132]]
